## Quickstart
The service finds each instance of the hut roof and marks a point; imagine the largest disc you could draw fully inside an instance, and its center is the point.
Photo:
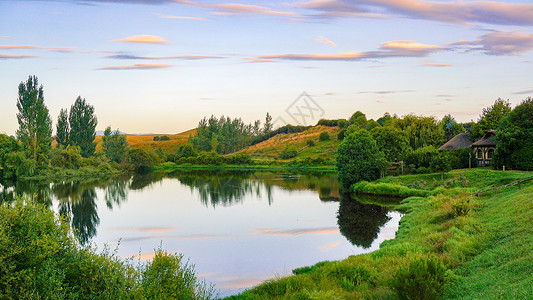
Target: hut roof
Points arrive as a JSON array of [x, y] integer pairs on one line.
[[488, 140], [462, 140]]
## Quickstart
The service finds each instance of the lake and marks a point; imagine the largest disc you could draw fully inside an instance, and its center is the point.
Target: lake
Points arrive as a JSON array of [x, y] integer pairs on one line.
[[237, 228]]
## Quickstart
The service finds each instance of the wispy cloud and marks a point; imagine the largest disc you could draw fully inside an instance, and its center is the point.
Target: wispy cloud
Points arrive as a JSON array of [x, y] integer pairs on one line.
[[4, 38], [7, 56], [257, 60], [143, 39], [291, 232], [500, 43], [528, 92], [457, 12], [185, 18], [324, 40], [181, 57], [328, 247], [201, 236], [386, 92], [143, 229], [434, 64], [137, 67], [386, 50], [238, 9], [30, 47]]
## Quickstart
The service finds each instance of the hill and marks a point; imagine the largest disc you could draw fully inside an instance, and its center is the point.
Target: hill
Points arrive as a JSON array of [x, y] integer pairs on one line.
[[147, 141], [271, 149]]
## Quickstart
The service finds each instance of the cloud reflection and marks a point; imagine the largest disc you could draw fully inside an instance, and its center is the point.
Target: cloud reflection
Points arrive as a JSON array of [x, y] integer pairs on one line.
[[292, 232]]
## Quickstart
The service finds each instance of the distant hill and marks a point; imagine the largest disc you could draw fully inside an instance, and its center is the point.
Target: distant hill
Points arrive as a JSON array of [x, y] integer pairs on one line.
[[147, 141], [270, 149]]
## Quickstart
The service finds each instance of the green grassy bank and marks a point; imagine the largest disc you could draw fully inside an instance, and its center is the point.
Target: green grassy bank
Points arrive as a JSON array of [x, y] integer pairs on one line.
[[169, 167], [450, 245]]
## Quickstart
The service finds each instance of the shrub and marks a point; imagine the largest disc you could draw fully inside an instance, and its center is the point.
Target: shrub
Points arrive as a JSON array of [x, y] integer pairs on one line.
[[69, 158], [157, 138], [142, 160], [310, 143], [288, 153], [461, 207], [324, 136], [425, 278]]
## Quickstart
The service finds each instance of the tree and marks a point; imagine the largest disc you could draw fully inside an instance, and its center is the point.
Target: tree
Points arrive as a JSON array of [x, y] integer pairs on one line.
[[114, 145], [450, 127], [267, 127], [62, 129], [392, 141], [490, 118], [324, 136], [82, 126], [359, 158], [440, 163], [35, 124], [142, 160], [514, 138]]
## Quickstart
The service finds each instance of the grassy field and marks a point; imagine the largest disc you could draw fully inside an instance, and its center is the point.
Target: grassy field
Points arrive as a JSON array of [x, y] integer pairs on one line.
[[450, 244]]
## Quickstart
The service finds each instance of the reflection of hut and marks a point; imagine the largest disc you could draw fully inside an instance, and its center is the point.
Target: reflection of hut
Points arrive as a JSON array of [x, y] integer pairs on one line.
[[460, 141], [484, 148]]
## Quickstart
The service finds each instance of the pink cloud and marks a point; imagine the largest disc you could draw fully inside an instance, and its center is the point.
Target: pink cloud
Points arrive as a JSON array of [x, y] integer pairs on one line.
[[7, 56], [143, 39], [137, 67], [324, 40], [458, 12], [229, 9], [500, 43]]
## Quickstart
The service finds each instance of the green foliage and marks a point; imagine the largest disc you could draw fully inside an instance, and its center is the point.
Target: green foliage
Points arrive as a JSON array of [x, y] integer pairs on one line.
[[142, 160], [422, 157], [17, 165], [358, 118], [40, 259], [83, 123], [440, 163], [35, 124], [461, 208], [62, 129], [392, 141], [332, 123], [514, 138], [223, 135], [359, 158], [450, 126], [268, 126], [114, 145], [310, 143], [161, 138], [425, 278], [421, 131], [490, 118], [8, 145], [69, 158], [186, 151], [288, 153], [387, 189], [324, 136]]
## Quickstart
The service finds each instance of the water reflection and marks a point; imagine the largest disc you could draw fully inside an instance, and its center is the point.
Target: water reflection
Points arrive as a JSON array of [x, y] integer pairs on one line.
[[360, 223], [77, 200]]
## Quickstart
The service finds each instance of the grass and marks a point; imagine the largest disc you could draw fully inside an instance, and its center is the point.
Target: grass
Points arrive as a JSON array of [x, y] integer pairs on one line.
[[484, 252], [146, 141]]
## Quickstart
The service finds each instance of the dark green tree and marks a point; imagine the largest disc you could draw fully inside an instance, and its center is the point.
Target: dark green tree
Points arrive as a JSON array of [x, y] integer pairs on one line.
[[82, 126], [359, 158], [35, 124], [114, 145], [514, 138], [62, 129], [267, 127], [392, 141], [490, 118]]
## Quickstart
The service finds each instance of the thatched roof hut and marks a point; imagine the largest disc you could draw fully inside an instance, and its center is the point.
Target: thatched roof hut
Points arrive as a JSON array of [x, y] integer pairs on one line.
[[488, 140], [462, 140]]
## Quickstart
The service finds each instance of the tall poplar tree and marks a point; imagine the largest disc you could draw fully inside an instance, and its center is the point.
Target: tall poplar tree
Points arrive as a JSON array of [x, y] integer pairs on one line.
[[35, 124], [82, 126], [62, 128]]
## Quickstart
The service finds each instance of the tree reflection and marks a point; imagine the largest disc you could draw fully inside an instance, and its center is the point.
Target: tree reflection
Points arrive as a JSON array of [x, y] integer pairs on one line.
[[360, 223]]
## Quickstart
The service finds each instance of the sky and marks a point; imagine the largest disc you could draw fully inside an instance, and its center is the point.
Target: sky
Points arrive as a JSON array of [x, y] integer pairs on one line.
[[160, 66]]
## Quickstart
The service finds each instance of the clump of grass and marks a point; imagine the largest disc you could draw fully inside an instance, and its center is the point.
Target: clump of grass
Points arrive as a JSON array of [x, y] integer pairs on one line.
[[387, 189]]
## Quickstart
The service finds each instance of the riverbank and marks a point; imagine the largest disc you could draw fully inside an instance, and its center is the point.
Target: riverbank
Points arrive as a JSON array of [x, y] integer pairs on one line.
[[450, 243], [170, 167]]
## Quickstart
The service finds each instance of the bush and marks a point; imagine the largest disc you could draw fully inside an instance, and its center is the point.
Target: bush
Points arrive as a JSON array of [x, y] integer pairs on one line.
[[461, 207], [324, 136], [40, 259], [69, 158], [310, 143], [425, 278], [142, 160], [288, 153]]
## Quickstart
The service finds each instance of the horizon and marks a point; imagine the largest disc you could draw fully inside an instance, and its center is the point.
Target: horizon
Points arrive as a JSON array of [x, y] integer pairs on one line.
[[162, 66]]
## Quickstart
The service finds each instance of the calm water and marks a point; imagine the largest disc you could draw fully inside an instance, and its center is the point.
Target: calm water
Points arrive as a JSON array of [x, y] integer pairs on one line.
[[237, 228]]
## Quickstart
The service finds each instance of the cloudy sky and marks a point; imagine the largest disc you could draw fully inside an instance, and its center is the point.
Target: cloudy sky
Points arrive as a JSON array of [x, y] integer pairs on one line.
[[161, 65]]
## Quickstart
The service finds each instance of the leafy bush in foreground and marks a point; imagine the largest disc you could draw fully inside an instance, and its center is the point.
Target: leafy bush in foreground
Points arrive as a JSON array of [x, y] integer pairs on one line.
[[40, 259], [425, 278]]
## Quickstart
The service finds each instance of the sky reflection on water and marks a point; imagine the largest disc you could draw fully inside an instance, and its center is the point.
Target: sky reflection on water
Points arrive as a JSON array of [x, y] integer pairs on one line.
[[238, 229]]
